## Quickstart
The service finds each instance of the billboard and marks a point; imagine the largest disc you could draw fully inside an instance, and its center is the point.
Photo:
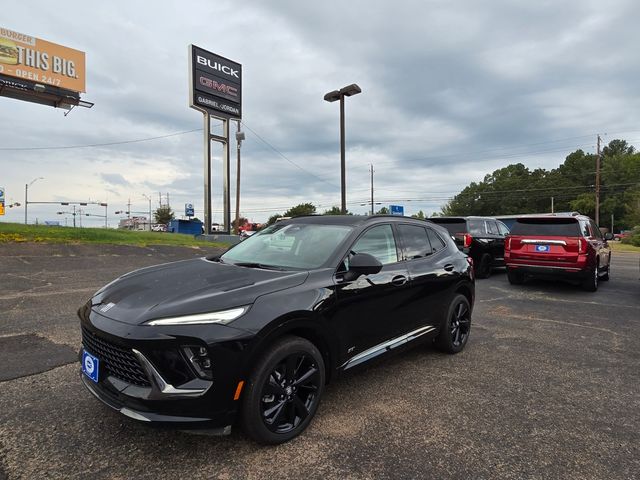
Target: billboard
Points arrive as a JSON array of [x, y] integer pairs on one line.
[[1, 200], [36, 60], [215, 84]]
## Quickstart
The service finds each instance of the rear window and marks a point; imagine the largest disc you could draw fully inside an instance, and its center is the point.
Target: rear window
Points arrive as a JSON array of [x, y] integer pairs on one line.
[[460, 225], [561, 227], [452, 226]]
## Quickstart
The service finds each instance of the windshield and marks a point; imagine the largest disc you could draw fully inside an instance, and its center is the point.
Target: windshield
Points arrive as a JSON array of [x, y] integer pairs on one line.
[[297, 246]]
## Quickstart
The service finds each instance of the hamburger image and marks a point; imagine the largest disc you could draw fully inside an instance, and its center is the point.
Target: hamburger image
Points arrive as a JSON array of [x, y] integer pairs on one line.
[[8, 52]]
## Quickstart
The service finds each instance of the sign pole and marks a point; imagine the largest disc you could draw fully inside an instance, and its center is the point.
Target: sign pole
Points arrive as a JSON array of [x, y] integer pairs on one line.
[[207, 174], [226, 181]]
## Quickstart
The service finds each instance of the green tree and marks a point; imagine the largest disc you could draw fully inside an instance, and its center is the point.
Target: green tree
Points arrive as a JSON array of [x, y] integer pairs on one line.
[[301, 209], [163, 214], [383, 211], [419, 215], [273, 219], [333, 211]]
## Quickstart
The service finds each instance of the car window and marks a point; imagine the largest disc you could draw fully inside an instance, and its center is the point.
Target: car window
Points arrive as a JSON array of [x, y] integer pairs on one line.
[[298, 245], [476, 227], [415, 241], [379, 242], [584, 228], [452, 225], [437, 243], [492, 227], [503, 229], [551, 226], [596, 231]]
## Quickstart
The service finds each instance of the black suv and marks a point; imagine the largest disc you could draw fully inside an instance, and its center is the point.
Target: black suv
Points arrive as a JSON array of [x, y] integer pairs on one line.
[[255, 334], [482, 238]]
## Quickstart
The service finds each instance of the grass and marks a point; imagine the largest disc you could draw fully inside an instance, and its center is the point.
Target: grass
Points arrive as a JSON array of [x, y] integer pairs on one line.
[[623, 247], [17, 233]]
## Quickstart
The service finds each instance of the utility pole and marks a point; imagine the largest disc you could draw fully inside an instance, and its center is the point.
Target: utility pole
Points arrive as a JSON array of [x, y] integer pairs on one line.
[[552, 205], [129, 208], [371, 169], [598, 184]]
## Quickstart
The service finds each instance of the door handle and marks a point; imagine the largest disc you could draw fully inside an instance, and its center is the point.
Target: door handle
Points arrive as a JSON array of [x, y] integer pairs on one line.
[[399, 280], [448, 267]]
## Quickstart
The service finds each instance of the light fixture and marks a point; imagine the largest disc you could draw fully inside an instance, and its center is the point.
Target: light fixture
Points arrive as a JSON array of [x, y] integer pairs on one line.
[[223, 317]]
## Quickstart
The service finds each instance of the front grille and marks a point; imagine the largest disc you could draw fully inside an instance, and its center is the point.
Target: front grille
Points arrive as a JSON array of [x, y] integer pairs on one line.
[[119, 362]]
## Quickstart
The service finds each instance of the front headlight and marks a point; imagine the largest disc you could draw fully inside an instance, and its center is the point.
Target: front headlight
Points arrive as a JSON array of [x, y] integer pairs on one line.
[[223, 317]]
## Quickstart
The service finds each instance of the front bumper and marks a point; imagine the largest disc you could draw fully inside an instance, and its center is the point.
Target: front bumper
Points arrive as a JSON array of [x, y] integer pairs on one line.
[[194, 404], [143, 416]]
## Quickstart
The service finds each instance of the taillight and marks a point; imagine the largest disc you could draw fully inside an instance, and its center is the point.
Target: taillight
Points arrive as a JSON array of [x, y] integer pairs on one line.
[[582, 245], [507, 245], [466, 240]]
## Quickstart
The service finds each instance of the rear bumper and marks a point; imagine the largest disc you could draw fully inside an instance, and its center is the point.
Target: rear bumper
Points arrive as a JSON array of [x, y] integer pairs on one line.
[[566, 272]]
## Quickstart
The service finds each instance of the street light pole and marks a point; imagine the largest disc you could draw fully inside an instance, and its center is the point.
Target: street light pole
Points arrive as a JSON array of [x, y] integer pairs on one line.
[[26, 196], [347, 91], [372, 189]]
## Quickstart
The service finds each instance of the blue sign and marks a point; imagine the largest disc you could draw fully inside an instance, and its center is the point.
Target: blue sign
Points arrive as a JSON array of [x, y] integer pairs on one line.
[[1, 194], [396, 210], [90, 365], [188, 210]]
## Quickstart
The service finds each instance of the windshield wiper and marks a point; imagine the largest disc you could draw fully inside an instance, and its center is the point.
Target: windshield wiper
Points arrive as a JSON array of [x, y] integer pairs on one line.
[[259, 265]]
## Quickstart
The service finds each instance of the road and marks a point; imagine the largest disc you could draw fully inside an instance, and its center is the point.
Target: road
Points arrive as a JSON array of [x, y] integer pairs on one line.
[[546, 388]]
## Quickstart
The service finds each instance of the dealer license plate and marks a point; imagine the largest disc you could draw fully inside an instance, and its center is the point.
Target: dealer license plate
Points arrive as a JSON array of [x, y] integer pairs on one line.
[[90, 365], [542, 248]]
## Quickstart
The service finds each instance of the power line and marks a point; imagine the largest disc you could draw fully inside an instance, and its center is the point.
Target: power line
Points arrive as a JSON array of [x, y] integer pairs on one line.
[[93, 145], [285, 157]]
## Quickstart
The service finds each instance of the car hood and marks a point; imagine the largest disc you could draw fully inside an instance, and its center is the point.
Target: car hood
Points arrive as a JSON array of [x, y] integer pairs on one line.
[[187, 287]]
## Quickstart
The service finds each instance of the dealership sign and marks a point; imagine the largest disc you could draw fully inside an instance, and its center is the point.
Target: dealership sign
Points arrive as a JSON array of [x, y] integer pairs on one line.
[[215, 84], [32, 59]]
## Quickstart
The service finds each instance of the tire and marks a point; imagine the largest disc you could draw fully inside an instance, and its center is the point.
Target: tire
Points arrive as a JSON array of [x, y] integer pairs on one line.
[[483, 270], [590, 284], [515, 278], [283, 392], [605, 277], [455, 332]]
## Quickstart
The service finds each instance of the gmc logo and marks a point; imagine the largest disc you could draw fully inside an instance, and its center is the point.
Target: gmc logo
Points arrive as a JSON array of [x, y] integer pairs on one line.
[[220, 87]]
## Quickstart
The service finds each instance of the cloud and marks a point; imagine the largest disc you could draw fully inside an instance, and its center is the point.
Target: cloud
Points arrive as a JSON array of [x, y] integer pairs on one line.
[[450, 91]]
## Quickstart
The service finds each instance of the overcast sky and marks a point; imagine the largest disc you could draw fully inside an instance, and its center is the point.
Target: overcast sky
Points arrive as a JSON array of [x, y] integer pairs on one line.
[[451, 90]]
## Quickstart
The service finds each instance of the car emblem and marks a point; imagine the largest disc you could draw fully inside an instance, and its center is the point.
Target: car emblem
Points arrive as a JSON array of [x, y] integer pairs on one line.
[[107, 307]]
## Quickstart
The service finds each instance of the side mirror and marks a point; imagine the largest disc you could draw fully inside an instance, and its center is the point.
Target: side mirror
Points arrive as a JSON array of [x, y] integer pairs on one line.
[[608, 236], [362, 264]]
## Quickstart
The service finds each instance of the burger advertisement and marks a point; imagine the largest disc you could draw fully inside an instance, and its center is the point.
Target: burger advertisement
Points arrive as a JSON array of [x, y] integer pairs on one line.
[[29, 58]]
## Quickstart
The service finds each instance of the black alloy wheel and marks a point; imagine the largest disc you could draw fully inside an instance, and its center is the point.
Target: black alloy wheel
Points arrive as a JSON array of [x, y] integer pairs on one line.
[[284, 392], [455, 333]]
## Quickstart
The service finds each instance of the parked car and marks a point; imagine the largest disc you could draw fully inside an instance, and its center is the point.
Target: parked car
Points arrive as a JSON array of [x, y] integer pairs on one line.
[[622, 235], [482, 238], [568, 247], [256, 333]]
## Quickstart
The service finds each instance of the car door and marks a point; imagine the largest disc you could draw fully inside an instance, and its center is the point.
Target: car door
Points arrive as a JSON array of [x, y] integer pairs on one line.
[[496, 241], [432, 275], [371, 309]]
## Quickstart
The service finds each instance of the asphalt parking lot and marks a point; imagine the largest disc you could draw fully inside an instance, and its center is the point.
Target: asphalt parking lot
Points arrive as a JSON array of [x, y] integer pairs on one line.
[[546, 388]]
